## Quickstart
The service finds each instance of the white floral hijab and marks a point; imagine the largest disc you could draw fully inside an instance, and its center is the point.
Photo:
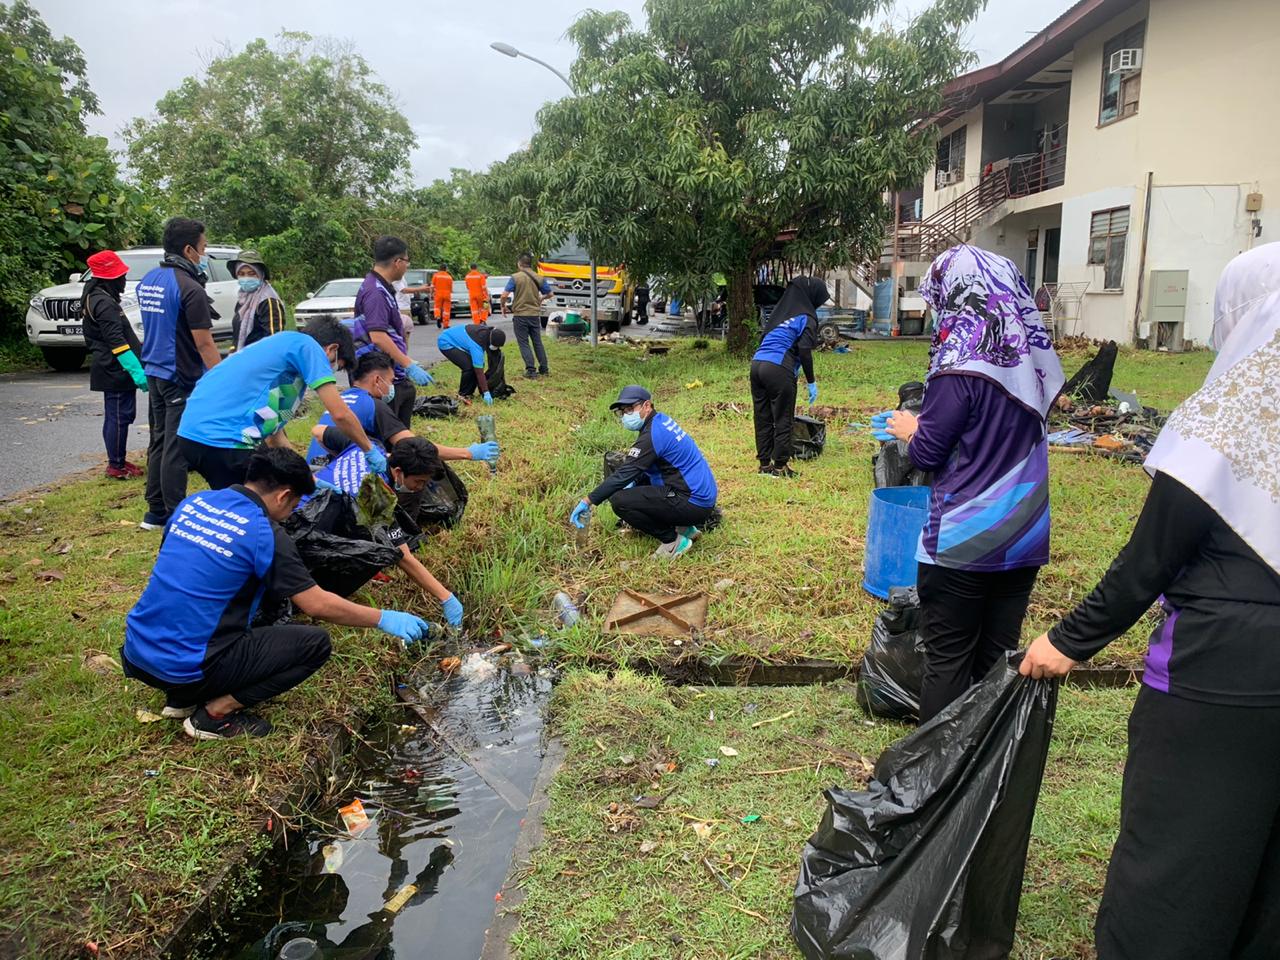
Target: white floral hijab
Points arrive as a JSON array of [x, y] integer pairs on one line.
[[1223, 442]]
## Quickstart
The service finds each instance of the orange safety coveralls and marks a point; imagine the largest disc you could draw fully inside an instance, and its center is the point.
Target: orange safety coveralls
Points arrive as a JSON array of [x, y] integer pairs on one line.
[[479, 292], [442, 282]]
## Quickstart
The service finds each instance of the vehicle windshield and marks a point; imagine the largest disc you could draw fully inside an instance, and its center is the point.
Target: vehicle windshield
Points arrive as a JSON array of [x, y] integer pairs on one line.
[[140, 264], [415, 278], [339, 288], [498, 282], [569, 252]]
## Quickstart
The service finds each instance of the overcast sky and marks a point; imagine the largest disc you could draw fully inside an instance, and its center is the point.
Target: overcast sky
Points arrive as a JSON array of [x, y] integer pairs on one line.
[[467, 104]]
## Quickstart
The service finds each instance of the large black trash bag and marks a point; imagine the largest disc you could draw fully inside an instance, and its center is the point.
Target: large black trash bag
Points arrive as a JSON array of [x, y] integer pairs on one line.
[[341, 554], [443, 502], [1092, 381], [613, 459], [808, 437], [435, 407], [892, 466], [927, 862], [496, 374], [892, 673]]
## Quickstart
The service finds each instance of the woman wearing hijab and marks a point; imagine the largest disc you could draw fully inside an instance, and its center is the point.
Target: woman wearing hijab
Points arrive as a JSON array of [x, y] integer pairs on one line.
[[785, 349], [115, 370], [1195, 872], [992, 376], [259, 309]]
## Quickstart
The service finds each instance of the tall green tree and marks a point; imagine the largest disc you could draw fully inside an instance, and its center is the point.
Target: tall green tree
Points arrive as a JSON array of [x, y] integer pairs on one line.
[[694, 144], [60, 195], [269, 129]]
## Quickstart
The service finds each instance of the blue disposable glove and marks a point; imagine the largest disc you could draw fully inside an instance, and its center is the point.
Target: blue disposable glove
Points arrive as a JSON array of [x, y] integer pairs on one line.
[[581, 514], [488, 398], [484, 451], [376, 459], [453, 611], [327, 485], [880, 426], [418, 375], [403, 625], [813, 393]]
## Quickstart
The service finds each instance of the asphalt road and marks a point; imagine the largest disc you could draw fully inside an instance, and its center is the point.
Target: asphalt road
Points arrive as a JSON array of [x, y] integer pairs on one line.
[[54, 422]]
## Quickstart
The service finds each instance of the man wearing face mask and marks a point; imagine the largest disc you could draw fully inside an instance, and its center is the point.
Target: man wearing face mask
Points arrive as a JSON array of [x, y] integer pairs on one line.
[[259, 309], [412, 464], [248, 400], [370, 398], [177, 348], [664, 487], [115, 370]]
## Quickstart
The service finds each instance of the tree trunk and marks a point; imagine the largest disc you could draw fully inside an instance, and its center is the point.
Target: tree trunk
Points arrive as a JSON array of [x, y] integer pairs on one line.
[[744, 320]]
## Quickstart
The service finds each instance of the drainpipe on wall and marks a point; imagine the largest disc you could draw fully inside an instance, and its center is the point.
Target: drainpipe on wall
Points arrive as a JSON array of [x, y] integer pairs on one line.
[[1142, 260]]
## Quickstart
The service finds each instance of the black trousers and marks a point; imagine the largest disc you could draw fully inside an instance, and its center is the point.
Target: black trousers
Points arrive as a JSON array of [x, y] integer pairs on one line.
[[528, 331], [402, 405], [657, 511], [462, 360], [220, 466], [1195, 873], [773, 402], [262, 664], [969, 621], [166, 467], [119, 408]]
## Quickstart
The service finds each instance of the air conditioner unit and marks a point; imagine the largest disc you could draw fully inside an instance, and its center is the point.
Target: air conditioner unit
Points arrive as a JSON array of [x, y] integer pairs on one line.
[[948, 177], [1126, 61]]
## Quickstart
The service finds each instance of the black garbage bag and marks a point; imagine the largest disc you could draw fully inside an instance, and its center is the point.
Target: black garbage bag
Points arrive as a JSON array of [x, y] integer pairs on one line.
[[1092, 382], [340, 553], [892, 466], [927, 862], [443, 502], [808, 437], [613, 459], [496, 373], [436, 407], [892, 673]]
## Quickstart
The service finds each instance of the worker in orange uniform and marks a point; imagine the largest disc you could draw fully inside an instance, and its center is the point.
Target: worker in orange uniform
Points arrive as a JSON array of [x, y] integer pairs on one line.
[[478, 288], [442, 283]]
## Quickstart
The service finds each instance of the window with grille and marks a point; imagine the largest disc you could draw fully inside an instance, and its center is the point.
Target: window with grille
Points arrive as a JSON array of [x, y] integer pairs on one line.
[[1121, 86], [950, 162], [1108, 232]]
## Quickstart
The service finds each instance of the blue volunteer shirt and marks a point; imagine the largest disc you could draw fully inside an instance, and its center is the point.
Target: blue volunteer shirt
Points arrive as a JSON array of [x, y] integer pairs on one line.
[[457, 338], [362, 405], [173, 303], [663, 455], [255, 391], [781, 341], [220, 553]]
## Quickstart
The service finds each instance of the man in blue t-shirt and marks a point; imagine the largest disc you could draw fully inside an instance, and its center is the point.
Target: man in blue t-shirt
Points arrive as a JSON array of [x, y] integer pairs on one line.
[[177, 347], [468, 348], [664, 487], [250, 397], [189, 633]]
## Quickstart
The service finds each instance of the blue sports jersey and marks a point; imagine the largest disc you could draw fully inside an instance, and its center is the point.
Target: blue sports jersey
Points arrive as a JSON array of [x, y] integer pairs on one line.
[[663, 455], [780, 341], [346, 471], [362, 405], [457, 338], [255, 391], [207, 583]]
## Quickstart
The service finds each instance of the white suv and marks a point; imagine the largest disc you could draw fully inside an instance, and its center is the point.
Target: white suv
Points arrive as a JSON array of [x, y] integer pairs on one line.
[[53, 316]]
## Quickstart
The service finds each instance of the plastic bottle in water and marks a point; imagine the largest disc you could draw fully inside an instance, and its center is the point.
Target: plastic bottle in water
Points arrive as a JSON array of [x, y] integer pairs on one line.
[[566, 611]]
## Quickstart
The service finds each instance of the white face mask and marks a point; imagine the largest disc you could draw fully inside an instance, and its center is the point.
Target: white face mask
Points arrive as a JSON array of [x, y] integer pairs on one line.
[[390, 394], [633, 420]]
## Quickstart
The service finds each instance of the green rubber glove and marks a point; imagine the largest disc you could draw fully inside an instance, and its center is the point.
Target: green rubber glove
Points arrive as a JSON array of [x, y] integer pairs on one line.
[[129, 360]]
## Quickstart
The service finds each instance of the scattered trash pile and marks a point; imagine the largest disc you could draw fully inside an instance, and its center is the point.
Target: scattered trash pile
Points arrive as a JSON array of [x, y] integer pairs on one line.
[[927, 863], [1091, 416]]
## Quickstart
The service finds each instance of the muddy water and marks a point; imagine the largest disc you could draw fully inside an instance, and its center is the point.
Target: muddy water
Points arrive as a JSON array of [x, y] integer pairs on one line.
[[420, 879]]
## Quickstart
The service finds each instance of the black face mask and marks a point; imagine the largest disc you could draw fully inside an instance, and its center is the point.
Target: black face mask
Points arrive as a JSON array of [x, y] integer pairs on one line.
[[116, 286]]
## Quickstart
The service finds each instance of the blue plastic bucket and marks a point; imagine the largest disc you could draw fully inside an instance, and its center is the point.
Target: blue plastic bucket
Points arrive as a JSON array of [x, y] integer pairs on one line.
[[894, 523]]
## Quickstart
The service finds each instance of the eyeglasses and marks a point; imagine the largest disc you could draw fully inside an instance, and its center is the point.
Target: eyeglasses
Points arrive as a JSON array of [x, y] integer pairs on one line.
[[623, 411], [399, 259]]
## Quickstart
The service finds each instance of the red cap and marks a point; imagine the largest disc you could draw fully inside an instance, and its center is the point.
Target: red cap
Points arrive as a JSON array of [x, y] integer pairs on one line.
[[105, 265]]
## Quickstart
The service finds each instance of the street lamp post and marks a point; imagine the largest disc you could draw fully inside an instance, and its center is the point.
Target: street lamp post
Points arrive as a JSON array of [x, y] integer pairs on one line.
[[507, 50]]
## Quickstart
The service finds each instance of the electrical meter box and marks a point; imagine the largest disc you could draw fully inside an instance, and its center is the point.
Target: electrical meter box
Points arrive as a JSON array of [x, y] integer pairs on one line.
[[1167, 308]]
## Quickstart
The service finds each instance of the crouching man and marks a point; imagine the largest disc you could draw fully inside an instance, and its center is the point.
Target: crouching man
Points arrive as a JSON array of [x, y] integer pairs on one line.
[[189, 633]]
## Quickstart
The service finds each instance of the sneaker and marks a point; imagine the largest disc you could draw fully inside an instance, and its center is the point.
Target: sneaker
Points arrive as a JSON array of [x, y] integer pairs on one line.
[[765, 470], [239, 723], [174, 712], [782, 470], [669, 551], [118, 473], [690, 533], [134, 470], [153, 521]]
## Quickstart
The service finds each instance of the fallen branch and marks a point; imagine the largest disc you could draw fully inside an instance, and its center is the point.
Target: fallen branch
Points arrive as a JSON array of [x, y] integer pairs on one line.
[[782, 716]]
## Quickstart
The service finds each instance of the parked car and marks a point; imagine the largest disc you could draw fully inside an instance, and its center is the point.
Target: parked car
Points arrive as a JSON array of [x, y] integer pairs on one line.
[[53, 314], [336, 298], [496, 285]]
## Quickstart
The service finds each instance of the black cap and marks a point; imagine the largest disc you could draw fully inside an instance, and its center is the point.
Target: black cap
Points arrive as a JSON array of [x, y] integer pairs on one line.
[[631, 395]]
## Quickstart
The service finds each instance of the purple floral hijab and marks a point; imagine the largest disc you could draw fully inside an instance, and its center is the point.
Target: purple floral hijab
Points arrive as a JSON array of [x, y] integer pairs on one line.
[[988, 326]]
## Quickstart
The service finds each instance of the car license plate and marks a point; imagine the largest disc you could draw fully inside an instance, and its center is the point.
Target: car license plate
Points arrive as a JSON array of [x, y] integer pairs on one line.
[[69, 330]]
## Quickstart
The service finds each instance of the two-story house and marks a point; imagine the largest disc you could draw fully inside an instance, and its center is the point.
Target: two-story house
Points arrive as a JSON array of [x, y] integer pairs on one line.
[[1128, 136]]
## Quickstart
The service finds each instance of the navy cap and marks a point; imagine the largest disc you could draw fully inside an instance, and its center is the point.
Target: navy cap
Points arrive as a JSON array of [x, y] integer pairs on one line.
[[631, 395]]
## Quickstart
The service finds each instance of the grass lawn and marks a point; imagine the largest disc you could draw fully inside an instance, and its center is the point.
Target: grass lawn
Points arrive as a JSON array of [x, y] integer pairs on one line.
[[114, 826], [691, 879]]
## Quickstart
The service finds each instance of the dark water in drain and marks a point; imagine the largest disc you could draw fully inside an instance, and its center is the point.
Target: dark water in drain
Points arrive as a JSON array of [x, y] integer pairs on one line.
[[419, 881]]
